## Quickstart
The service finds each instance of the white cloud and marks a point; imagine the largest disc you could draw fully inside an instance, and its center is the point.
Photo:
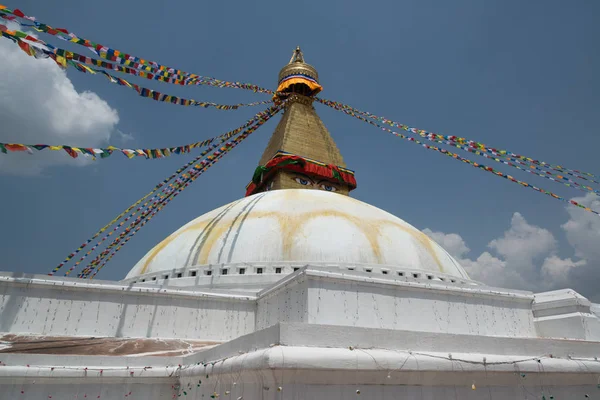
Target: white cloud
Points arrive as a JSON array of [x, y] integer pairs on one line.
[[39, 104], [583, 228], [556, 270], [524, 257], [451, 242], [124, 137]]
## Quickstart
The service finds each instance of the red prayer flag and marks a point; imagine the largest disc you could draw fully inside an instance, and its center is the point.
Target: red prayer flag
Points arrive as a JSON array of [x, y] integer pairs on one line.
[[70, 152], [15, 147], [25, 47]]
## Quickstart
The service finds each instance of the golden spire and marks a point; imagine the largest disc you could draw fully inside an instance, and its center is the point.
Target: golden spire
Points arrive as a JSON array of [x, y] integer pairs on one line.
[[297, 72], [297, 56], [301, 153]]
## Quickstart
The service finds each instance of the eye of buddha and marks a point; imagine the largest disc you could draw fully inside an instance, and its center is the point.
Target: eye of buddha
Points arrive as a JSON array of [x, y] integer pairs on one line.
[[328, 188], [302, 181]]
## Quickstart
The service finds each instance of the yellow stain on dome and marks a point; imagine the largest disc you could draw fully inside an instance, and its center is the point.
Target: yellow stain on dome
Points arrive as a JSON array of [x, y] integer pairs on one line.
[[193, 226], [159, 247], [291, 226]]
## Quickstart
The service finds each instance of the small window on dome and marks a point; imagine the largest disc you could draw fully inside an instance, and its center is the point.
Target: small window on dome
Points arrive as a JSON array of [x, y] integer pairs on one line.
[[416, 276], [224, 271], [453, 280], [259, 270], [296, 268], [384, 272], [430, 277], [207, 272], [165, 277], [153, 278], [143, 280], [350, 268], [242, 271], [193, 273], [400, 273], [179, 275], [278, 270], [368, 270]]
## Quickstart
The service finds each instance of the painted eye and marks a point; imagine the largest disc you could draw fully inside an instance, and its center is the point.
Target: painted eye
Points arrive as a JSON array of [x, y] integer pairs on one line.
[[328, 188], [303, 182]]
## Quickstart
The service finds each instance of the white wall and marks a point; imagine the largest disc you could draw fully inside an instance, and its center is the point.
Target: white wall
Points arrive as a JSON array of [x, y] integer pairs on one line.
[[285, 302], [43, 306], [330, 297]]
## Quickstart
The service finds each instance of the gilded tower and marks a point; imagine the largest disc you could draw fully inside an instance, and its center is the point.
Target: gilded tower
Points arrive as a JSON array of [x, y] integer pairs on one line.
[[301, 153]]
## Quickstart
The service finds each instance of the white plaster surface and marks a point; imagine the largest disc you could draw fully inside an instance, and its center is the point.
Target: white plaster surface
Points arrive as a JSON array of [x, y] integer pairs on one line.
[[566, 314], [54, 307], [298, 226], [305, 361], [320, 295], [320, 332]]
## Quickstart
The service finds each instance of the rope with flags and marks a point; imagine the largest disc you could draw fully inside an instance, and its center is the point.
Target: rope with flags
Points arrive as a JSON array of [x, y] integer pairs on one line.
[[178, 76], [263, 114], [107, 151], [507, 160], [66, 58], [170, 194], [463, 141], [465, 160]]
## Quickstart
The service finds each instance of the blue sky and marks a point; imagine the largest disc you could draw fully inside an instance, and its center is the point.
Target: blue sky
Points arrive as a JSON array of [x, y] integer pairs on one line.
[[514, 75]]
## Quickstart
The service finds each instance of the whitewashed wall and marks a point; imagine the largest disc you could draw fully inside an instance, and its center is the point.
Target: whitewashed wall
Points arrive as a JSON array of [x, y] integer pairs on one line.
[[321, 296], [284, 302], [40, 306]]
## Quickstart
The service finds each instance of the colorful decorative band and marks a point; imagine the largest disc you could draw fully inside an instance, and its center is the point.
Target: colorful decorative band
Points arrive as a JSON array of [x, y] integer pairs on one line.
[[310, 78], [285, 153], [294, 163], [299, 78]]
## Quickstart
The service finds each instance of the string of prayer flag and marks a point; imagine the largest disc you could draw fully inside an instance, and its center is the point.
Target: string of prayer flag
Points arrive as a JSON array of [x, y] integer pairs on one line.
[[124, 58], [465, 160], [107, 151], [66, 58], [223, 138], [463, 141], [179, 186]]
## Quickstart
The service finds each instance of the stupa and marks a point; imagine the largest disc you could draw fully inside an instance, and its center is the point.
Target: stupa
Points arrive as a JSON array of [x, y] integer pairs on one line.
[[295, 291]]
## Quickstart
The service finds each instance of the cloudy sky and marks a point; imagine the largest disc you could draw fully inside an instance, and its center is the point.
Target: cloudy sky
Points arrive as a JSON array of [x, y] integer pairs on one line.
[[516, 75]]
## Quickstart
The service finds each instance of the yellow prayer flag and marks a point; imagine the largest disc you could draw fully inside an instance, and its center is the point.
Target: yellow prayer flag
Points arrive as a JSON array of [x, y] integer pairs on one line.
[[61, 61], [88, 69]]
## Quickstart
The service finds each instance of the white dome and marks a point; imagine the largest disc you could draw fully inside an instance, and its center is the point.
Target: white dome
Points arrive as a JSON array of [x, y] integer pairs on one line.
[[298, 226]]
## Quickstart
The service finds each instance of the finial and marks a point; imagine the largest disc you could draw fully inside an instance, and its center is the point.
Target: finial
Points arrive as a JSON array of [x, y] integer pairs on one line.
[[297, 56]]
